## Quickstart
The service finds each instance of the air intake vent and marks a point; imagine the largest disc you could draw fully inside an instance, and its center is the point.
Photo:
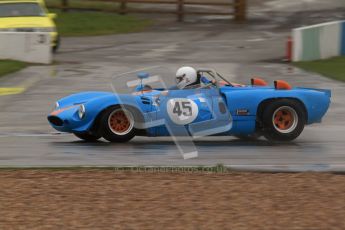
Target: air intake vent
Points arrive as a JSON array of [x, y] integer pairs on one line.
[[146, 100], [55, 121]]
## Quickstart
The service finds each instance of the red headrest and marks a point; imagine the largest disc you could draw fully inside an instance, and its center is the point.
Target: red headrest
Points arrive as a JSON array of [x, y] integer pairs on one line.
[[258, 82], [280, 84]]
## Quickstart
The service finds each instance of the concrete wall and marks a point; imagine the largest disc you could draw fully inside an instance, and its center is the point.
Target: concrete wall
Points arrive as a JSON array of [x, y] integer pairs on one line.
[[319, 41], [27, 47]]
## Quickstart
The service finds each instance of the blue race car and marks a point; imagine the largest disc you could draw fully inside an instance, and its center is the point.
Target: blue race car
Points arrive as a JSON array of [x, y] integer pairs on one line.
[[214, 106]]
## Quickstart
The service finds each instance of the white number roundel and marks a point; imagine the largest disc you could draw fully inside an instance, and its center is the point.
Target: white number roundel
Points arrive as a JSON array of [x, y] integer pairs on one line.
[[182, 111]]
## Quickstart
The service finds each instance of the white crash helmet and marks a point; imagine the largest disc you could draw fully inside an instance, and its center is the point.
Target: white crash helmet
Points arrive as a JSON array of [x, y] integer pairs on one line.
[[185, 76]]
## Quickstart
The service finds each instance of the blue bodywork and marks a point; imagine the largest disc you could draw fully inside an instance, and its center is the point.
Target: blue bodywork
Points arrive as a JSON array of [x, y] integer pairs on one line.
[[210, 102]]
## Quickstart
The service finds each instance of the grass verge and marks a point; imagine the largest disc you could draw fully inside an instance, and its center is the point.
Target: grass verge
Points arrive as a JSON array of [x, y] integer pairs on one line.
[[97, 23], [333, 68], [9, 66]]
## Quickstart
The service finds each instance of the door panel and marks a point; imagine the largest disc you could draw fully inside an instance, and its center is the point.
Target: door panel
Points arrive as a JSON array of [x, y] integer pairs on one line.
[[199, 111]]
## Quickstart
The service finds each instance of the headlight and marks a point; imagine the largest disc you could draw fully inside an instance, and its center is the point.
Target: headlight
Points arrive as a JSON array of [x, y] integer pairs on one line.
[[81, 111], [57, 106]]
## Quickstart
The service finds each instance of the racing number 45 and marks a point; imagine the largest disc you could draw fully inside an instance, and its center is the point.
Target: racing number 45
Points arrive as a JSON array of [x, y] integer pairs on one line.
[[183, 108]]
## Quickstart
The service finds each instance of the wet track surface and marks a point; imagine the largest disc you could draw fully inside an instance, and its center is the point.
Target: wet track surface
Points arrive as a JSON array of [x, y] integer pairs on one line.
[[310, 152], [239, 53]]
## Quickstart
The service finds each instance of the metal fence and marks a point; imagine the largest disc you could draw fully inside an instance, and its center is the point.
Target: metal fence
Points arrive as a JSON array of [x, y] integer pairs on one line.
[[237, 8]]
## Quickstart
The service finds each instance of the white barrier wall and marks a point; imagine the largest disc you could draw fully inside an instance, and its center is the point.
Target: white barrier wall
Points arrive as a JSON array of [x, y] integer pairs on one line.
[[33, 47], [319, 41]]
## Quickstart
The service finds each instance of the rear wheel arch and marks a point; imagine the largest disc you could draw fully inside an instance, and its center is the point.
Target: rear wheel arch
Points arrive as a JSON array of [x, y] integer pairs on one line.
[[263, 104], [283, 119]]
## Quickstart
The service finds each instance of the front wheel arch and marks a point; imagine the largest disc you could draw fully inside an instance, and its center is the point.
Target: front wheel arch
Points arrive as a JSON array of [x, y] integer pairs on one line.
[[96, 124]]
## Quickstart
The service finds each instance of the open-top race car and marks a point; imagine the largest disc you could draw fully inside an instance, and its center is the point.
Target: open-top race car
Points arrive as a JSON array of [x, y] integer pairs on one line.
[[202, 103]]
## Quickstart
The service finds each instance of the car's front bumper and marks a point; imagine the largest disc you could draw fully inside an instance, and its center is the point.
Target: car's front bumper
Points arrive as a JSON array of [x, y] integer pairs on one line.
[[67, 120]]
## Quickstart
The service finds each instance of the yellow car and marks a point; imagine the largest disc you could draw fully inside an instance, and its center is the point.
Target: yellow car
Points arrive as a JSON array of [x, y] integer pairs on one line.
[[28, 16]]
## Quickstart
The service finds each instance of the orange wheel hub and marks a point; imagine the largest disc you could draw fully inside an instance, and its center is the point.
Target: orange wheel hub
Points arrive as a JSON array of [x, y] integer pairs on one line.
[[283, 119], [119, 122]]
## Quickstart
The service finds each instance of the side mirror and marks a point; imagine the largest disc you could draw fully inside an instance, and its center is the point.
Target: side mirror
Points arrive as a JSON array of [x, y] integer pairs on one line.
[[52, 15], [143, 75]]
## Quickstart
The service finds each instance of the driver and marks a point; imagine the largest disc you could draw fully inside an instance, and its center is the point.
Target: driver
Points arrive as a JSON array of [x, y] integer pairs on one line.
[[188, 78]]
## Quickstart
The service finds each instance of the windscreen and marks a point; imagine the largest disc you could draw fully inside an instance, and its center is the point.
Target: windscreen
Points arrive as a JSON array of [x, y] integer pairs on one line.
[[185, 114], [20, 10], [157, 78]]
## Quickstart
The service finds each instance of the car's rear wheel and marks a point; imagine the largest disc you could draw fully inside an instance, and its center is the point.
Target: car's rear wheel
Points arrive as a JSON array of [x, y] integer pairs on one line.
[[87, 137], [117, 124], [283, 120]]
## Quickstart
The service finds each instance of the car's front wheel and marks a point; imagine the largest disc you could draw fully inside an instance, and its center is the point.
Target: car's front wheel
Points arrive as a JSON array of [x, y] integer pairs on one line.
[[117, 124], [283, 120]]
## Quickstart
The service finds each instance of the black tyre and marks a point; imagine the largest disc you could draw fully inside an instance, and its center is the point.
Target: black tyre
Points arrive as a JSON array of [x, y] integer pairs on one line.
[[57, 45], [283, 120], [251, 137], [88, 137], [117, 124]]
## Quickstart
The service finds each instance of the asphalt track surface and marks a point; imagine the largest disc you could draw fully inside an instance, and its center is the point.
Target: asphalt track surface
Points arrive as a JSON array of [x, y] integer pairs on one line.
[[237, 51]]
